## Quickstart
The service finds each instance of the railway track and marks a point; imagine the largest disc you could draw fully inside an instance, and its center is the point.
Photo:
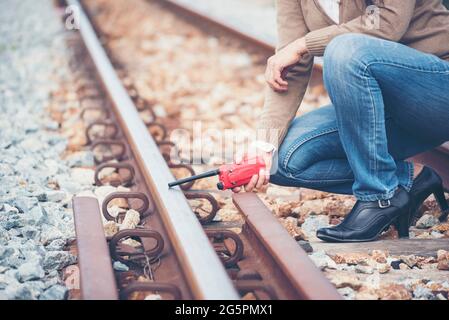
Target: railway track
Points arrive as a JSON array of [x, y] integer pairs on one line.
[[169, 254], [171, 232], [262, 261]]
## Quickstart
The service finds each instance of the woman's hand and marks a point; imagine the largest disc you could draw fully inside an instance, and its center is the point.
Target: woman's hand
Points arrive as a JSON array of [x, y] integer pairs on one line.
[[261, 179], [277, 64]]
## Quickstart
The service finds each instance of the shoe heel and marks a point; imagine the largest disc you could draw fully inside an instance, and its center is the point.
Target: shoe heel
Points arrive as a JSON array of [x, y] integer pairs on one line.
[[442, 202], [402, 224]]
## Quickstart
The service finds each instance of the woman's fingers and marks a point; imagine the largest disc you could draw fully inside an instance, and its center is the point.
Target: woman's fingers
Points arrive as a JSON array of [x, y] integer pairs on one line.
[[237, 190], [261, 180], [273, 76], [267, 178], [276, 86], [252, 183], [266, 172], [277, 75]]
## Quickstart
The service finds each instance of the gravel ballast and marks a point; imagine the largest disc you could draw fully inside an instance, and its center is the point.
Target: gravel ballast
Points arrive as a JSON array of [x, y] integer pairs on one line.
[[36, 220]]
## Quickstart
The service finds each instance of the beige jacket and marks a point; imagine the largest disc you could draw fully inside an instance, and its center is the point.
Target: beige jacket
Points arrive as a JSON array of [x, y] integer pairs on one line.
[[420, 24]]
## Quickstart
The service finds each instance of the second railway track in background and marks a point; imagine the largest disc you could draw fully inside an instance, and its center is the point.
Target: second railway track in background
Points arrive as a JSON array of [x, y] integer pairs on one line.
[[263, 261]]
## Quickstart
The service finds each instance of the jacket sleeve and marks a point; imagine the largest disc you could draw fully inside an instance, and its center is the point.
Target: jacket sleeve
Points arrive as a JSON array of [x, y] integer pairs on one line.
[[388, 20], [280, 108]]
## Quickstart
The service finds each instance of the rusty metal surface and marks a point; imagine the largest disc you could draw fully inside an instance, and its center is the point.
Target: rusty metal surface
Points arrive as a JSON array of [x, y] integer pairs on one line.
[[145, 209], [202, 268], [204, 219], [97, 276], [293, 263], [120, 250]]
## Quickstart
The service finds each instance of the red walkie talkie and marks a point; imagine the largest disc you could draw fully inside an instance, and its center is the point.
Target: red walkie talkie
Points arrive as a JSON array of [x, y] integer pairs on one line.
[[230, 175]]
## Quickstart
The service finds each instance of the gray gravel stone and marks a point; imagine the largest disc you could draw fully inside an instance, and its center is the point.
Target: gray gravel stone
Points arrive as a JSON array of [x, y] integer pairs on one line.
[[25, 204], [56, 260], [52, 125], [55, 195], [4, 236], [347, 293], [56, 245], [52, 278], [30, 290], [426, 221], [32, 251], [322, 260], [81, 159], [6, 252], [56, 292], [15, 259], [52, 167], [423, 293], [50, 233], [364, 269], [305, 245], [82, 176], [34, 222], [14, 220], [31, 271], [313, 223], [50, 195], [437, 235], [36, 216], [6, 280], [66, 184], [30, 232], [6, 170], [118, 266]]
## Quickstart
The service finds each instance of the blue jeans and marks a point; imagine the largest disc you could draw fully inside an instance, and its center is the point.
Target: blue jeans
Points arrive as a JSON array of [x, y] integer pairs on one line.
[[389, 102]]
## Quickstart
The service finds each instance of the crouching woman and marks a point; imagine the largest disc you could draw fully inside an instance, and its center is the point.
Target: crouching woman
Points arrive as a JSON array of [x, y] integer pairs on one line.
[[386, 69]]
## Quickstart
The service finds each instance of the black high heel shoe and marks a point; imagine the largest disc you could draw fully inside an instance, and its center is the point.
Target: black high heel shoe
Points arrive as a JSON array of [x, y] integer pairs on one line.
[[426, 183], [368, 219]]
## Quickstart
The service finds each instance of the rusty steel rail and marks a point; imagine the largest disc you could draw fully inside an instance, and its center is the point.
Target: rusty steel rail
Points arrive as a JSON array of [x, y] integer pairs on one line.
[[284, 259], [96, 274], [202, 269]]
